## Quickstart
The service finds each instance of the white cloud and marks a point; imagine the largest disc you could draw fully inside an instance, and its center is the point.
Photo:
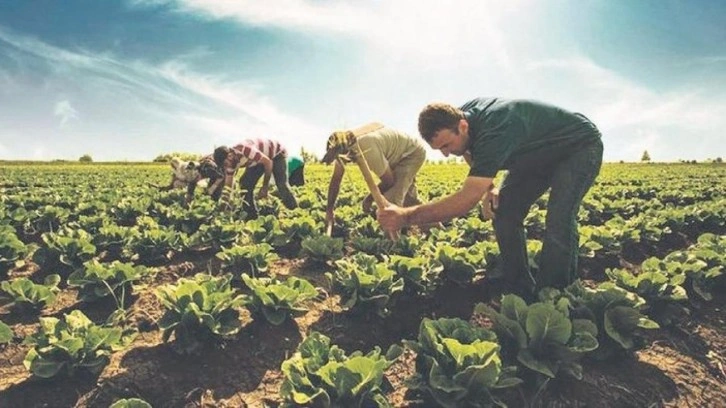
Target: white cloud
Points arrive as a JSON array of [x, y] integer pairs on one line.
[[170, 91], [427, 30], [65, 112]]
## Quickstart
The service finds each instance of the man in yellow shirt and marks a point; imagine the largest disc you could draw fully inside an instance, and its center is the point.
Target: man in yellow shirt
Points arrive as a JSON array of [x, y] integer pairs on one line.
[[393, 156]]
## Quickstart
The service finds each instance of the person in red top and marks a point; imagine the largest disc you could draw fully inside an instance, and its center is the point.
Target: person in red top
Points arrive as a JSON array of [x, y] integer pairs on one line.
[[259, 157]]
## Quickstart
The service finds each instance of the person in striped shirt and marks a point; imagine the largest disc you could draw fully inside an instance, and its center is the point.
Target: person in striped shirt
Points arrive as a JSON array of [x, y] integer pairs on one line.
[[259, 156]]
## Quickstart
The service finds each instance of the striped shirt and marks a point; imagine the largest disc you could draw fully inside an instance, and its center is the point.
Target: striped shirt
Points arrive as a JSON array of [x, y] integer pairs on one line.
[[250, 153]]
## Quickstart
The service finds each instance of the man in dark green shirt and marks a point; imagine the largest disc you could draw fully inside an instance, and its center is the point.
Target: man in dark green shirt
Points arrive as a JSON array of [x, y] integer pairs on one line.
[[543, 147]]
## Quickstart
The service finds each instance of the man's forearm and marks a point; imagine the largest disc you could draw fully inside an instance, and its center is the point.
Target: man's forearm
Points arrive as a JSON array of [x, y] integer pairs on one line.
[[442, 210]]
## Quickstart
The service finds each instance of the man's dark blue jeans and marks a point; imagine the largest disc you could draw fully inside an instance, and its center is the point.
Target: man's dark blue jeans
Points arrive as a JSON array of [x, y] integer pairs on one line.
[[252, 175], [568, 182]]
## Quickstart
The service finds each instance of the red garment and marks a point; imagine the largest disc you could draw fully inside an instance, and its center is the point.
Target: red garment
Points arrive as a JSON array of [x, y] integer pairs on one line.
[[250, 152]]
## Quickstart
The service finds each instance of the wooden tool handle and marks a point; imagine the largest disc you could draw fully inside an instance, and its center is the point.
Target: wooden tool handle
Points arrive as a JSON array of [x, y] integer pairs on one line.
[[375, 192]]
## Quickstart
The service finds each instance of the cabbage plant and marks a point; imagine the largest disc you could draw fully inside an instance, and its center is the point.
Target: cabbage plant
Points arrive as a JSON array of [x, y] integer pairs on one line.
[[277, 301], [198, 310], [616, 312], [66, 249], [458, 364], [322, 248], [73, 343], [542, 336], [96, 280], [12, 250], [25, 294], [322, 375], [365, 284], [251, 258]]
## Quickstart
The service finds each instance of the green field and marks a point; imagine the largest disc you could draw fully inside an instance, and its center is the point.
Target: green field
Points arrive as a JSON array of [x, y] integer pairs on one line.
[[112, 289]]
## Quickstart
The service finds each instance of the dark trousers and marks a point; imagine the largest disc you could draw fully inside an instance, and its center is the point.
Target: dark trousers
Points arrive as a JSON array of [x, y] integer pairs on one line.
[[568, 182], [297, 177], [252, 175]]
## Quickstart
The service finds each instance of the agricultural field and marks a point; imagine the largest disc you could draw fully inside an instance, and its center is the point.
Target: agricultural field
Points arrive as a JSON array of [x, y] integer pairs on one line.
[[112, 290]]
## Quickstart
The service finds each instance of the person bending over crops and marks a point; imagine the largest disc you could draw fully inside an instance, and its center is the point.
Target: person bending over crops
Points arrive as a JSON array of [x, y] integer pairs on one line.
[[259, 157], [296, 171], [393, 156], [543, 147], [186, 174]]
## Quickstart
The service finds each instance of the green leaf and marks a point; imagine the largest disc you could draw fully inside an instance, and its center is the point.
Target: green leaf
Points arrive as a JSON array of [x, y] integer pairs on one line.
[[514, 308], [130, 403], [6, 333], [541, 366], [546, 325]]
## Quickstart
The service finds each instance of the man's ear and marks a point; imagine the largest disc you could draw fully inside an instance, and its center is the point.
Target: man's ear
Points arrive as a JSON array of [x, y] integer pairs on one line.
[[463, 127]]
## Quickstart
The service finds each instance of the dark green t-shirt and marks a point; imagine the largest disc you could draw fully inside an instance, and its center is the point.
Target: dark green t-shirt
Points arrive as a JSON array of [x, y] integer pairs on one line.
[[522, 135]]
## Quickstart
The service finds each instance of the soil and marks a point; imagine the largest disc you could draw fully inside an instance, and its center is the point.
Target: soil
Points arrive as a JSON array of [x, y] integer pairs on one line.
[[682, 366]]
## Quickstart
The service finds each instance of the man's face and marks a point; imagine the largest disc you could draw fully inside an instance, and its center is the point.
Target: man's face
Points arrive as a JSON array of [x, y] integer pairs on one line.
[[450, 141]]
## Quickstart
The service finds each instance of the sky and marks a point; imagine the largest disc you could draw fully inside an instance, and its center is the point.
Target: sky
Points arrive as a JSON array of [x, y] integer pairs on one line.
[[133, 79]]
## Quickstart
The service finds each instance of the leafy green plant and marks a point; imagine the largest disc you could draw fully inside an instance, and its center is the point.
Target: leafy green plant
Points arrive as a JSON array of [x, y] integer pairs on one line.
[[266, 229], [67, 249], [458, 364], [598, 240], [113, 238], [473, 230], [321, 375], [250, 258], [189, 220], [6, 333], [96, 280], [25, 294], [663, 295], [322, 248], [297, 228], [365, 283], [130, 403], [49, 218], [216, 235], [461, 265], [12, 250], [277, 301], [542, 336], [616, 312], [128, 209], [420, 274], [154, 245], [197, 310], [702, 265], [71, 344]]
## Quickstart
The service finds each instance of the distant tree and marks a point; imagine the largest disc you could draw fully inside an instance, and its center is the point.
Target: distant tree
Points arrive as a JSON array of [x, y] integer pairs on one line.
[[307, 156], [86, 158], [645, 157], [718, 160], [163, 158]]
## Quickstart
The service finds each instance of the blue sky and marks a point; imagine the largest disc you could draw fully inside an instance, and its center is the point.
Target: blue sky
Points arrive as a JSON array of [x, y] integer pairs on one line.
[[131, 79]]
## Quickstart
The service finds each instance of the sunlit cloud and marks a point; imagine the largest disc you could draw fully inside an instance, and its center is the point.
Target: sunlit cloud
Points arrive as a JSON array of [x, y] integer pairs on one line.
[[65, 112], [170, 91]]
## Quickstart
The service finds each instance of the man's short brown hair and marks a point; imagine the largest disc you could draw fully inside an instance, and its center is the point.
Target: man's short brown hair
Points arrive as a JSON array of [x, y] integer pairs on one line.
[[437, 116]]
